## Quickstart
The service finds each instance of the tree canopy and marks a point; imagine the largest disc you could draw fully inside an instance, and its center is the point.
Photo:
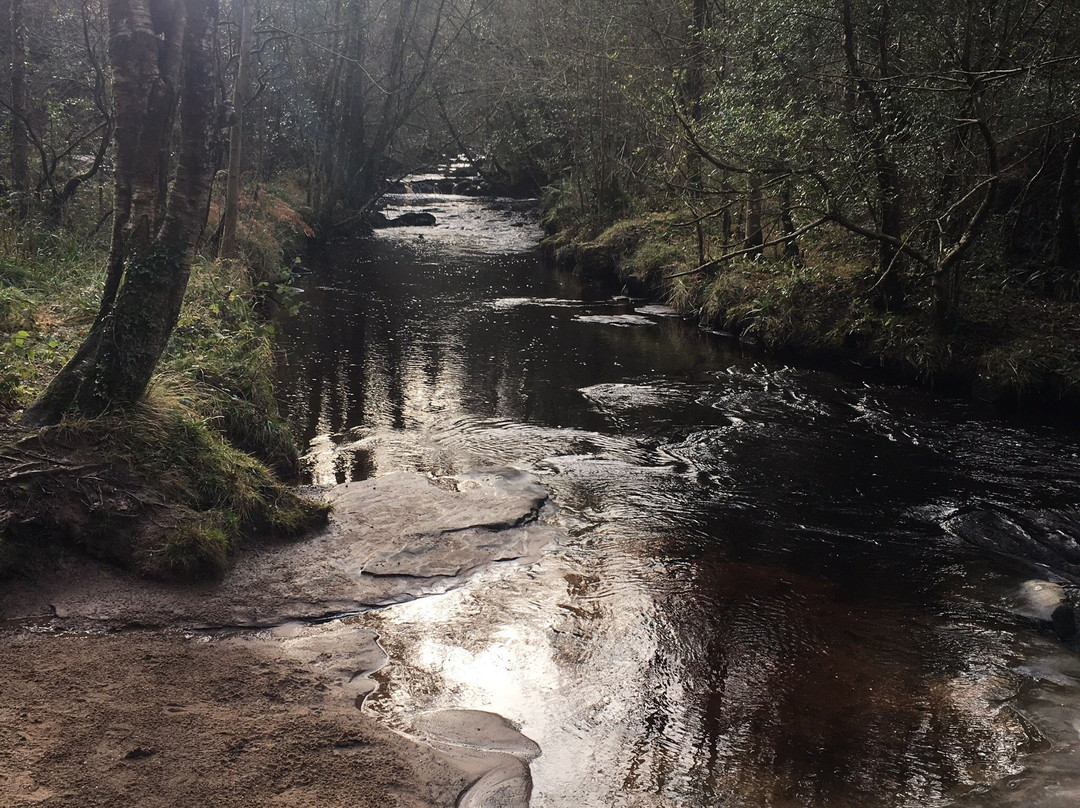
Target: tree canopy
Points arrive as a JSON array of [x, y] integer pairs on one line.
[[942, 136]]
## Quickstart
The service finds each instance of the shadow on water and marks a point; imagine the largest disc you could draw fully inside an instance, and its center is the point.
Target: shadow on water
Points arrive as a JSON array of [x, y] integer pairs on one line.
[[779, 587]]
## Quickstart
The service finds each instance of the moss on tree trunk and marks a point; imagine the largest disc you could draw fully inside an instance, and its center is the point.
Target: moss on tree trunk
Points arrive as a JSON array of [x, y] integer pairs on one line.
[[160, 51]]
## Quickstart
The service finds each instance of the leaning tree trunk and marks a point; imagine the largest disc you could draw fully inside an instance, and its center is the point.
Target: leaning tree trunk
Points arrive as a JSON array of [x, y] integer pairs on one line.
[[145, 53], [154, 45]]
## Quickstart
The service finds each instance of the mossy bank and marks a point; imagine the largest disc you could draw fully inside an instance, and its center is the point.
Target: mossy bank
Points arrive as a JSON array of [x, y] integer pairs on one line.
[[172, 487], [1012, 342]]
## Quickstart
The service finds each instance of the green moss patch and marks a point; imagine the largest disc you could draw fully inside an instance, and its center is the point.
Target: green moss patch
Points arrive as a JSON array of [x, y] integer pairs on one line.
[[156, 490]]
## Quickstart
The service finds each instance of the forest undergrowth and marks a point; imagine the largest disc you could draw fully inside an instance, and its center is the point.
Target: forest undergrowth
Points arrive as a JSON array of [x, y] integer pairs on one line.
[[1013, 342], [173, 487]]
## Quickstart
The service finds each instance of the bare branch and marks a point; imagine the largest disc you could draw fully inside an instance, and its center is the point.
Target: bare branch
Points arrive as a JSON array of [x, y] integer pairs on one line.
[[794, 234]]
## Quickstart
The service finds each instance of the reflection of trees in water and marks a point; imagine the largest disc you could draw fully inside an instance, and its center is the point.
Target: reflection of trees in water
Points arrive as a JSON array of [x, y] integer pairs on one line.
[[772, 691], [383, 337], [324, 376], [767, 687]]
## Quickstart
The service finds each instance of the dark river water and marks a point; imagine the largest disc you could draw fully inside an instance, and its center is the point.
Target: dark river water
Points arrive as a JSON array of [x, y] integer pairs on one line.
[[778, 587]]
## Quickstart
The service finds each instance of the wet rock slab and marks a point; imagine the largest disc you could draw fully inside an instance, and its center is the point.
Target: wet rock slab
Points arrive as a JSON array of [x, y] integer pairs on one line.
[[472, 520], [619, 320], [390, 539], [488, 749]]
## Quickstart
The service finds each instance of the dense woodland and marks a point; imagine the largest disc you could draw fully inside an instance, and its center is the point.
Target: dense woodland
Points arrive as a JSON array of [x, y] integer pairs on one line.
[[746, 567], [941, 136], [896, 180]]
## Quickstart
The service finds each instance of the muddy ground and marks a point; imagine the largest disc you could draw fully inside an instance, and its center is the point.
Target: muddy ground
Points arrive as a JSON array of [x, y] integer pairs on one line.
[[156, 719], [117, 691]]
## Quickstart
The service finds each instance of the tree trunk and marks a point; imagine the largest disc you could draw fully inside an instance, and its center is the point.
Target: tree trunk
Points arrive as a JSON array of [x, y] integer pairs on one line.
[[945, 293], [325, 148], [946, 283], [231, 208], [890, 259], [878, 132], [20, 142], [353, 151], [153, 44], [787, 218], [755, 237], [1067, 237], [343, 91], [144, 51], [694, 86], [371, 148], [697, 52]]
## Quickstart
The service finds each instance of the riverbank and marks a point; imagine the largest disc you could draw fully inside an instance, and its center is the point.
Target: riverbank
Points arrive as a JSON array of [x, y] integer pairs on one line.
[[244, 692], [165, 719], [1012, 344], [174, 486], [158, 644]]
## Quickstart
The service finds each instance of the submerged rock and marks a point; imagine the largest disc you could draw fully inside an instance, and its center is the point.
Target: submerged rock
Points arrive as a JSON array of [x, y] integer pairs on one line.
[[408, 219], [620, 320], [1048, 605], [476, 729], [1063, 621], [490, 750], [1031, 536]]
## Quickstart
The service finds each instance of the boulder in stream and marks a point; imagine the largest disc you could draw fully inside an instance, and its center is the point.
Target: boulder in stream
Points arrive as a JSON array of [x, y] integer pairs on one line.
[[410, 218]]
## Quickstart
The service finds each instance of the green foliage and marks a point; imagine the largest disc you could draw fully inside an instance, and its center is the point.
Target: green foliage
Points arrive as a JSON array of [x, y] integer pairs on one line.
[[49, 284], [16, 310], [645, 247], [189, 468], [652, 259], [198, 548], [1009, 342], [223, 349], [943, 127]]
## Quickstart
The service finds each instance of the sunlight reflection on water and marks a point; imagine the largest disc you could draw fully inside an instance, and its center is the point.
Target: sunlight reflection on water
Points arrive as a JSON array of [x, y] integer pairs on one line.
[[765, 597]]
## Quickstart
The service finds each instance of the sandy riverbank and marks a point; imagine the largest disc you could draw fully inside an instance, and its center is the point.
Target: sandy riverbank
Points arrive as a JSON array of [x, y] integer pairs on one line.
[[99, 710], [160, 719]]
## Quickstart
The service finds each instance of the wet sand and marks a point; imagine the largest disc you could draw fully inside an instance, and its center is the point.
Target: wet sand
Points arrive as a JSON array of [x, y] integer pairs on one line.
[[158, 719]]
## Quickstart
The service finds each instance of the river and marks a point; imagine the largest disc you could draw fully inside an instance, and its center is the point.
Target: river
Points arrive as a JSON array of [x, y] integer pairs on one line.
[[777, 587]]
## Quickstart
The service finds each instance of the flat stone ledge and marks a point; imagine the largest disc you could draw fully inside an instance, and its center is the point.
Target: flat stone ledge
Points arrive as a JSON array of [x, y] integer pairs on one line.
[[390, 539]]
